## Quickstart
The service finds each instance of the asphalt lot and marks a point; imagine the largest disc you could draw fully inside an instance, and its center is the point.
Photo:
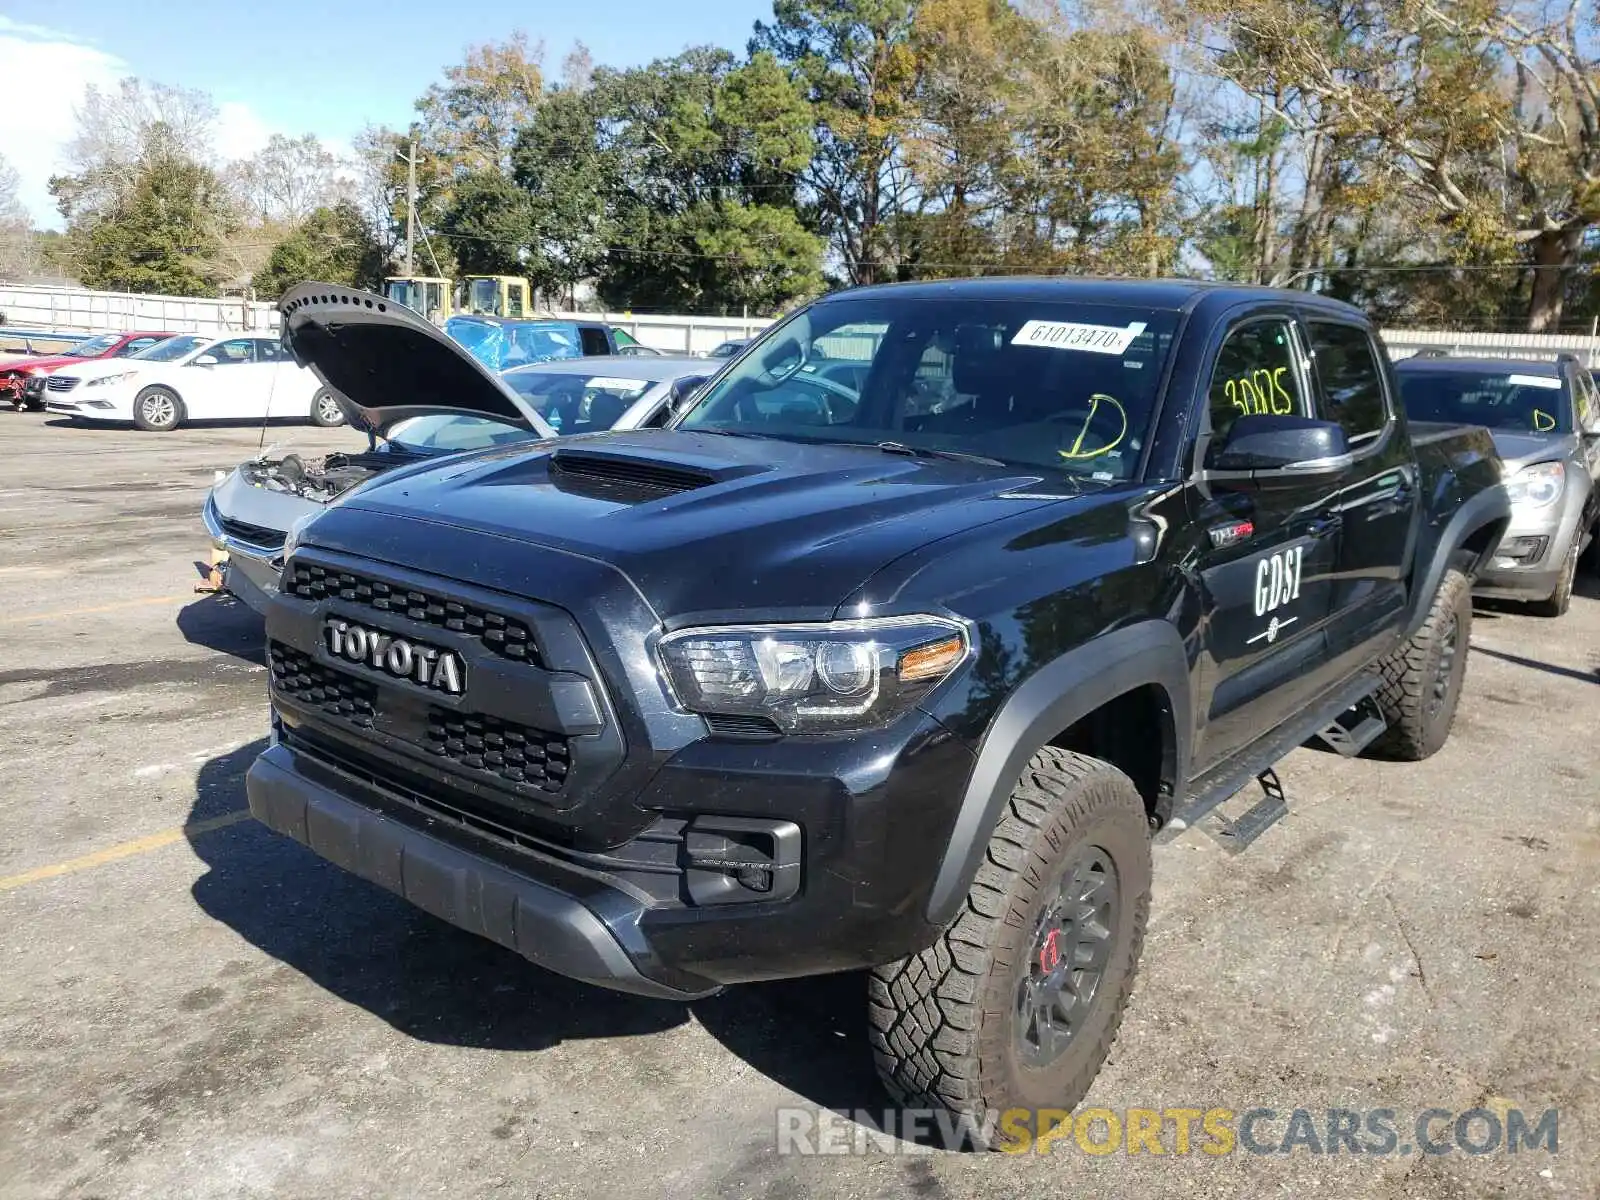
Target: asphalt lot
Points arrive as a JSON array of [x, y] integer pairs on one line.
[[192, 1006]]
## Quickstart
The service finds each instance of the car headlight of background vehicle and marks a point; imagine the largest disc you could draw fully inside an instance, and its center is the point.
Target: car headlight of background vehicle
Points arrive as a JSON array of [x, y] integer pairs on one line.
[[818, 677], [105, 379], [1537, 486]]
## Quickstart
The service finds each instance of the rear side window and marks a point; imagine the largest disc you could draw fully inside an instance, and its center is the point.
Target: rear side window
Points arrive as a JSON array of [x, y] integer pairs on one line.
[[1255, 376], [1352, 384]]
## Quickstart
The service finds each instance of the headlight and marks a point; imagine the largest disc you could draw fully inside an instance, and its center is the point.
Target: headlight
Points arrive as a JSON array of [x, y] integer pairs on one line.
[[1538, 486], [105, 379], [821, 677]]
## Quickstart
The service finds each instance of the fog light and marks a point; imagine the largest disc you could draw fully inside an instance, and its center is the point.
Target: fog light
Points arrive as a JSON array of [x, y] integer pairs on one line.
[[1521, 550]]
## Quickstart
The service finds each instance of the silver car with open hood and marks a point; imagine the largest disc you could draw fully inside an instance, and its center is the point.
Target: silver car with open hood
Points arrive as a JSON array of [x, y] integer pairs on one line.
[[416, 395]]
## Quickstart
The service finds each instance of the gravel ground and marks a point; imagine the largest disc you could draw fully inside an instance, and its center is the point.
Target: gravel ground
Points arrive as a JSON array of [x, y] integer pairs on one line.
[[192, 1006]]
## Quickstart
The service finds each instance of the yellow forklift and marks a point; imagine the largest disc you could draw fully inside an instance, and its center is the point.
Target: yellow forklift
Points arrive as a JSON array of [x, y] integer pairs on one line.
[[440, 299]]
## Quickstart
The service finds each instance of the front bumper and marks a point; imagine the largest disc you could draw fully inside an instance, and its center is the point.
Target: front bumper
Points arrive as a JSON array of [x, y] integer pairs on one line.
[[1527, 563], [252, 570], [86, 410], [539, 920]]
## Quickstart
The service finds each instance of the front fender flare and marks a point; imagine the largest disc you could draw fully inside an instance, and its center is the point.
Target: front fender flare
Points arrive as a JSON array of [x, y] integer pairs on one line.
[[1486, 508], [1052, 699]]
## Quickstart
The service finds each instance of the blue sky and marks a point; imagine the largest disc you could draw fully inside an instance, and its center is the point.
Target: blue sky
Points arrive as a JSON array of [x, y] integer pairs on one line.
[[298, 66]]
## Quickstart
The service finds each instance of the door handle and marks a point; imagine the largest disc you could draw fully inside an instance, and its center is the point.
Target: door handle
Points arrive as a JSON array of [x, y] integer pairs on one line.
[[1323, 526]]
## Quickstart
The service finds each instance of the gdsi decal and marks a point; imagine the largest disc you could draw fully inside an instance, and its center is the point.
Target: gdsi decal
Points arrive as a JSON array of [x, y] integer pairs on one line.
[[1277, 586]]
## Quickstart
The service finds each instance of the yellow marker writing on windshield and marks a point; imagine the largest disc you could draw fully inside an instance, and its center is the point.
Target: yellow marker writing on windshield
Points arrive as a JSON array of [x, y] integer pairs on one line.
[[1095, 401], [1543, 422]]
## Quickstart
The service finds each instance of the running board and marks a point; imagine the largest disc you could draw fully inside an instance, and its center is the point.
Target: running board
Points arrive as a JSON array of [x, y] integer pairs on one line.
[[1225, 780], [1354, 729], [1234, 836]]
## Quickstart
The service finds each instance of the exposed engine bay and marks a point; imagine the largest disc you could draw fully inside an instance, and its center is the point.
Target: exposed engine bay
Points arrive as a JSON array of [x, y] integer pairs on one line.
[[320, 478]]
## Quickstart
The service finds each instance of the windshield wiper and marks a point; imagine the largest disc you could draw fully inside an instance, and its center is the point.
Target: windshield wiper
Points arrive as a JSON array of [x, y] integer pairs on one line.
[[924, 452]]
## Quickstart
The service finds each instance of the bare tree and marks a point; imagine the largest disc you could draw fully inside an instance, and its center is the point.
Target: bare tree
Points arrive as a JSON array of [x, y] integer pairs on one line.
[[123, 128], [287, 180], [16, 232]]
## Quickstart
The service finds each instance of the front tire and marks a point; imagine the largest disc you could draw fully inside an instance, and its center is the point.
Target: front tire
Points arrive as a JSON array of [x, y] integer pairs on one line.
[[157, 410], [1422, 680], [1016, 1005], [325, 411]]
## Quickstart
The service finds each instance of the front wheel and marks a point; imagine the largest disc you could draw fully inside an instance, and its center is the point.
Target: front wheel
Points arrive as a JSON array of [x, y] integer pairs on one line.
[[157, 410], [325, 410], [1011, 1013], [1422, 681]]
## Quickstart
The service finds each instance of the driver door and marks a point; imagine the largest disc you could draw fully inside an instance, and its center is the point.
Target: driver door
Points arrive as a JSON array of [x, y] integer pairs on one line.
[[234, 387], [1265, 557]]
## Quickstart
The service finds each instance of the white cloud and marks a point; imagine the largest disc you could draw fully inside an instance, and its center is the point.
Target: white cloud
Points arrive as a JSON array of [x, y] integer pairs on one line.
[[45, 72], [51, 69], [240, 132]]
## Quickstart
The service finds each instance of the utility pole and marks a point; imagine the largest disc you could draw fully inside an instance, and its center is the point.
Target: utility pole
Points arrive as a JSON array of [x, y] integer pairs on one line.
[[411, 206]]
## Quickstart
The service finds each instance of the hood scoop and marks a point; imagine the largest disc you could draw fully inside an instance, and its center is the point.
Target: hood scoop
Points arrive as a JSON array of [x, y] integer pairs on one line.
[[624, 478]]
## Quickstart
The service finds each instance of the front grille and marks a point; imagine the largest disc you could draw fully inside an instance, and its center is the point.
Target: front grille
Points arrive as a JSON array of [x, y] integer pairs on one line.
[[61, 383], [299, 677], [505, 636], [256, 535], [489, 746]]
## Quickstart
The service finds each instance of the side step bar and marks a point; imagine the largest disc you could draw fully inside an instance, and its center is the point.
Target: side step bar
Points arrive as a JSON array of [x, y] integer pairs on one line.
[[1355, 729], [1256, 761], [1273, 807]]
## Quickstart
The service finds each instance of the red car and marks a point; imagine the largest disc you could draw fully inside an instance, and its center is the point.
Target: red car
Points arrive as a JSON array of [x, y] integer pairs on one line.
[[23, 381]]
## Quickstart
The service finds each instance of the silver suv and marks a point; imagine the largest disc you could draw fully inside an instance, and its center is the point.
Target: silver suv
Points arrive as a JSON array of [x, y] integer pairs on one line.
[[1545, 419]]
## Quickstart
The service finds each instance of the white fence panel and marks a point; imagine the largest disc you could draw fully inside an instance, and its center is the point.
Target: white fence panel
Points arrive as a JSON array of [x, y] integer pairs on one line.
[[1403, 343], [81, 310]]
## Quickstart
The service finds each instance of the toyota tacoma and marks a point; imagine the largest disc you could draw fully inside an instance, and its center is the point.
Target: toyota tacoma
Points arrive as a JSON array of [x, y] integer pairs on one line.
[[904, 679]]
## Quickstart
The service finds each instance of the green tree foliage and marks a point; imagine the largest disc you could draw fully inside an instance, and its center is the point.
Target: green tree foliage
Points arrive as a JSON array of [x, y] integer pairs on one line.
[[489, 222], [162, 237], [334, 244]]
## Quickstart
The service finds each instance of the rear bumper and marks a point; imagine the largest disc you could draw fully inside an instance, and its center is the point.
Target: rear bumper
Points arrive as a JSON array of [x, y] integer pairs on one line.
[[544, 924]]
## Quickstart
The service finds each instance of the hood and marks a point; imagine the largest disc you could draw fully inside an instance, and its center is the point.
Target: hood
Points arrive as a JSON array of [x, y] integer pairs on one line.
[[44, 364], [789, 526], [386, 364], [1518, 449]]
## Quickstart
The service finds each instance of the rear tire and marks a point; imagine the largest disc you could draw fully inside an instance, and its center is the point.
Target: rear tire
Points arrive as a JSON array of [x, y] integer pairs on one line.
[[1560, 600], [1422, 680], [157, 410], [325, 411], [994, 1017]]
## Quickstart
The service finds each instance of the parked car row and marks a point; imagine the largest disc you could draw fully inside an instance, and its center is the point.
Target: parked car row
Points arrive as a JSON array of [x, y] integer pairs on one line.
[[389, 360]]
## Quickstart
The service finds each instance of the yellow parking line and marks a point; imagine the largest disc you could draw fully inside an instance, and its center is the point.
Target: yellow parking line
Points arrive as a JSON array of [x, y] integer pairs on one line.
[[26, 618], [126, 850]]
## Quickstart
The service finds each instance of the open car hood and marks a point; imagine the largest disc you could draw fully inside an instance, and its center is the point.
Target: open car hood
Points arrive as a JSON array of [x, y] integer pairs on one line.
[[386, 364]]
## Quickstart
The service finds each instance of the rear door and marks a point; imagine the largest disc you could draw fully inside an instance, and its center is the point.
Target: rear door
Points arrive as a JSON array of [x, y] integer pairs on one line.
[[1266, 558], [1377, 500], [290, 387]]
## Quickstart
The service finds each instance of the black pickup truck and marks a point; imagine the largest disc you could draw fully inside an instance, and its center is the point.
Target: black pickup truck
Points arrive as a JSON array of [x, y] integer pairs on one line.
[[905, 676]]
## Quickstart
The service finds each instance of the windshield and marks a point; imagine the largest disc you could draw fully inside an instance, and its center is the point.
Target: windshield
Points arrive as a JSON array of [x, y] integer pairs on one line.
[[446, 433], [483, 297], [172, 349], [579, 403], [1509, 400], [1067, 388], [95, 346], [727, 350]]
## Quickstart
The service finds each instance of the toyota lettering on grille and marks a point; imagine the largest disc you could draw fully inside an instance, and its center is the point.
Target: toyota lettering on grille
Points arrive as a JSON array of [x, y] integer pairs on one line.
[[414, 662]]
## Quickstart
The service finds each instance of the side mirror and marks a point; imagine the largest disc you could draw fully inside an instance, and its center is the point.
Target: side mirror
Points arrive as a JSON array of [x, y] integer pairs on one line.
[[206, 360], [1265, 452]]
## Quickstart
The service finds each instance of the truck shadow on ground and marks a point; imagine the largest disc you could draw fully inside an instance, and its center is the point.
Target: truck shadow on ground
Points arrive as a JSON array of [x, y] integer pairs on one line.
[[431, 981], [222, 623]]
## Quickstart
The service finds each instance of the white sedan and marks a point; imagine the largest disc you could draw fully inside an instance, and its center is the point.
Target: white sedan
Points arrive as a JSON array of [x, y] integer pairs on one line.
[[192, 377]]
